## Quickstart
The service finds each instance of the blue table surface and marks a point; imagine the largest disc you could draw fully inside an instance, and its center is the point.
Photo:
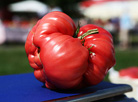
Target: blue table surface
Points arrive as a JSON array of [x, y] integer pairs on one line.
[[25, 88]]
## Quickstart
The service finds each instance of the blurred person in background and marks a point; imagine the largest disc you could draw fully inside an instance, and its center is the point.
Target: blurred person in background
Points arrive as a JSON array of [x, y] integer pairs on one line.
[[2, 33], [125, 26], [112, 25]]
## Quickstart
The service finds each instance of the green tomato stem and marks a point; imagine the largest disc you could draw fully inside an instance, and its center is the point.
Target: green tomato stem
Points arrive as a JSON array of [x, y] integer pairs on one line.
[[89, 32], [77, 31], [90, 52], [90, 47]]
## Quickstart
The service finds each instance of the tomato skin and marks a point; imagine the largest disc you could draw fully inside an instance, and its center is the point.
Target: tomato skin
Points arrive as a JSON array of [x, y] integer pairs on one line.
[[51, 23], [67, 60], [58, 59], [61, 61], [33, 56], [102, 57]]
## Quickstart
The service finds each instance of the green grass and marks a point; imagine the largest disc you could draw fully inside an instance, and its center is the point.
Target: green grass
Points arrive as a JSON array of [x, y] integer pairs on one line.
[[126, 58], [13, 59]]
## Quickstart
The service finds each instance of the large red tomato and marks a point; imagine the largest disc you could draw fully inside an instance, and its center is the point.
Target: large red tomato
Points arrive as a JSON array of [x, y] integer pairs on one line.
[[101, 49], [61, 61]]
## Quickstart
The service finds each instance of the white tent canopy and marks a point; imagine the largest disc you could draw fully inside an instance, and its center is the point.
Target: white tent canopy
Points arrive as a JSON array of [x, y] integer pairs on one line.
[[29, 6], [111, 9]]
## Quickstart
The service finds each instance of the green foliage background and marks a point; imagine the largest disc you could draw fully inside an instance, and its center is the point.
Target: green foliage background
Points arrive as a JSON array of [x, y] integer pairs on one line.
[[13, 60]]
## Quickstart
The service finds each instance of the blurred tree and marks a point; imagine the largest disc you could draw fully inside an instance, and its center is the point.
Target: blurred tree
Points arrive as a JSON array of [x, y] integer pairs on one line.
[[5, 3], [70, 7], [4, 12]]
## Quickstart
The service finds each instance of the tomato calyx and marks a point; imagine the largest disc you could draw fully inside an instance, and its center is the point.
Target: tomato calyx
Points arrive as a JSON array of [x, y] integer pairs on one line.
[[77, 31], [90, 52], [82, 37], [90, 47], [89, 32]]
